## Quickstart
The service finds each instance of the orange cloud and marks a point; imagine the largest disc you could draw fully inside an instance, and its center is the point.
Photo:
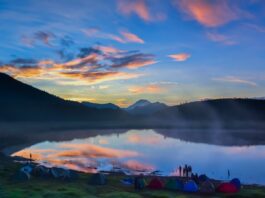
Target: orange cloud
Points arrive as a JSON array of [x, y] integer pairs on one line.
[[93, 151], [81, 157], [210, 13], [152, 88], [22, 72], [220, 38], [92, 65], [130, 37], [180, 57], [137, 7]]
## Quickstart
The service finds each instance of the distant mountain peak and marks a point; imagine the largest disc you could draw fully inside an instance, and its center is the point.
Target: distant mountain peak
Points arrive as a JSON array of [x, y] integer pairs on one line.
[[145, 107], [139, 103]]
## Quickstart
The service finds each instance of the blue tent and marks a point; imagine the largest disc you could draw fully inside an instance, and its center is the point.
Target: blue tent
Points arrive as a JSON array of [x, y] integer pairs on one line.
[[28, 169], [191, 186], [236, 182]]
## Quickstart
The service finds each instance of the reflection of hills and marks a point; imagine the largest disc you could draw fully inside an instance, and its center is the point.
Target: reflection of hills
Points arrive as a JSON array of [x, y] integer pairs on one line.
[[14, 140], [225, 137]]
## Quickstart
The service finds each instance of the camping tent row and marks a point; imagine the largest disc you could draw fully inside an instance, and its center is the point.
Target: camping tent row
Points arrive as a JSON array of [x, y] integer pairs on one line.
[[26, 172], [191, 186]]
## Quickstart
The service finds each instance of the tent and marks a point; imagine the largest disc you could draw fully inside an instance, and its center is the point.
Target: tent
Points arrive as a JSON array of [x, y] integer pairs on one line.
[[236, 182], [139, 183], [28, 169], [190, 186], [127, 181], [203, 178], [98, 179], [227, 188], [155, 183], [207, 187], [174, 184], [21, 176]]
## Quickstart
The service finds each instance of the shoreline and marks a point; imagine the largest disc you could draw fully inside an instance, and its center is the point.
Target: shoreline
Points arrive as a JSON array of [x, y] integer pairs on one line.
[[81, 188]]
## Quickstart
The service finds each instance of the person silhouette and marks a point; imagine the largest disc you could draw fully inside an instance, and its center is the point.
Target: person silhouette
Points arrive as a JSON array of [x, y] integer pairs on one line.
[[186, 170], [228, 173], [180, 170]]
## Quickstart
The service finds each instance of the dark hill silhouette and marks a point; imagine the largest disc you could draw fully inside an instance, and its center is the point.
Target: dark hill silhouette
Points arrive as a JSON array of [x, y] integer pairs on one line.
[[227, 110], [21, 102], [101, 106]]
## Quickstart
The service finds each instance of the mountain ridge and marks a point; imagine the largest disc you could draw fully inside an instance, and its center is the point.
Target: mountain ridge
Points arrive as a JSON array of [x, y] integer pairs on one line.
[[145, 107]]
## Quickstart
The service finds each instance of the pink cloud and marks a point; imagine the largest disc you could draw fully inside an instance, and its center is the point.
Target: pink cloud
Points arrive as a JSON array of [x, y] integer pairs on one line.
[[180, 57], [130, 37], [137, 7], [125, 37], [211, 13]]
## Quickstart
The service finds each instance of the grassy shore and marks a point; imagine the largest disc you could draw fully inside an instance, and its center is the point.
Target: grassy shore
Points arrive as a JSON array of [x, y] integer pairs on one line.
[[52, 188]]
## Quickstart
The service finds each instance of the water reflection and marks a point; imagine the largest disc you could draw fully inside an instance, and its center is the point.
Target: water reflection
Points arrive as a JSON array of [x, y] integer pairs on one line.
[[138, 151]]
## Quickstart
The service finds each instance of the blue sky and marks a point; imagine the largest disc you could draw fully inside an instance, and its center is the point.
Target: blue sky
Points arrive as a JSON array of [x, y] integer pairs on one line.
[[120, 51]]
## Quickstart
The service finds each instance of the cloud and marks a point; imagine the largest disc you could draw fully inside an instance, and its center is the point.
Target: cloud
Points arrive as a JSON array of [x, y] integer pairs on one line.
[[92, 65], [142, 139], [211, 13], [147, 89], [133, 61], [96, 77], [137, 7], [23, 71], [237, 80], [130, 37], [137, 166], [257, 28], [97, 33], [220, 38], [124, 37], [43, 36], [103, 86], [39, 36], [93, 151], [81, 157], [144, 9], [180, 57]]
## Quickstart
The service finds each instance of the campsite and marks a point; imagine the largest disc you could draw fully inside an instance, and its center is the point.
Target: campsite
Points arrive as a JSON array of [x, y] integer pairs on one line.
[[41, 184]]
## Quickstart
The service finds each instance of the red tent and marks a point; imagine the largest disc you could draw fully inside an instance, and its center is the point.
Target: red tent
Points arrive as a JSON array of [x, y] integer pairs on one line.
[[227, 188], [155, 183]]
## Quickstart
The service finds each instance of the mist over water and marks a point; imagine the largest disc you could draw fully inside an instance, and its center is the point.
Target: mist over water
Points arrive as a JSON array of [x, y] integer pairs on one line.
[[145, 151]]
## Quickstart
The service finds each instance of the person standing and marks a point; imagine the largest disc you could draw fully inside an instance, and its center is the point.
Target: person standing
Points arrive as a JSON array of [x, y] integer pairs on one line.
[[186, 170], [180, 171], [228, 173]]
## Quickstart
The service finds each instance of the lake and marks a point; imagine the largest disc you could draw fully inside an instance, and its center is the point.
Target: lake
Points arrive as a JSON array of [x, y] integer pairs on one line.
[[146, 151]]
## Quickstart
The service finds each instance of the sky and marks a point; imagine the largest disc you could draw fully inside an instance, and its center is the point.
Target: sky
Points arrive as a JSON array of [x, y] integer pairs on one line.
[[119, 51]]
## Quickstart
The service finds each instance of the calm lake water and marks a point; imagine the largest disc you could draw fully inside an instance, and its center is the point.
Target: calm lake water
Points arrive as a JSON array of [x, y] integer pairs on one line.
[[137, 151]]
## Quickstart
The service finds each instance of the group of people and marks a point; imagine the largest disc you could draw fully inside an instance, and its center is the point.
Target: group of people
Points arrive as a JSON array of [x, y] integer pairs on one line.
[[185, 171]]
